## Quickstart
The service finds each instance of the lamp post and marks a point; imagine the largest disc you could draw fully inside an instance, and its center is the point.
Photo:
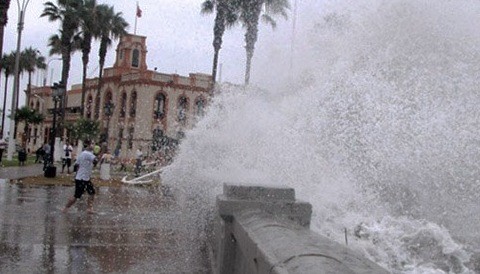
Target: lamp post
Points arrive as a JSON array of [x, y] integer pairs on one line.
[[11, 136], [58, 91]]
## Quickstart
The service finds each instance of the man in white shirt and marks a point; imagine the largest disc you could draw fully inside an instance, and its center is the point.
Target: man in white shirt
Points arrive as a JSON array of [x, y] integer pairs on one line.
[[67, 157], [83, 176]]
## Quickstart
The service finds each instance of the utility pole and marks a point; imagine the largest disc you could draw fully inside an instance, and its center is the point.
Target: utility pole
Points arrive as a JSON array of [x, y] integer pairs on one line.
[[11, 139]]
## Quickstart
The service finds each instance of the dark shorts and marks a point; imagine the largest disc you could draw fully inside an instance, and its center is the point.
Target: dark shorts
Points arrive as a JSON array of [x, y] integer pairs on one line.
[[67, 162], [82, 186]]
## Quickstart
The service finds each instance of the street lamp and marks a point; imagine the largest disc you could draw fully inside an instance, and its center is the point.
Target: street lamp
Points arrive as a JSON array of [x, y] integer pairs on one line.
[[58, 91], [11, 138]]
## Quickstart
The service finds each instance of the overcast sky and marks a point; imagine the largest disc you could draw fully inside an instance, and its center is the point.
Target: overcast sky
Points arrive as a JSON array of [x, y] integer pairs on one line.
[[179, 40]]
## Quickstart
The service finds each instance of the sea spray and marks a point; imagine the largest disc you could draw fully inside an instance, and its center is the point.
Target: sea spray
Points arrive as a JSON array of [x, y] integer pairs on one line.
[[378, 130]]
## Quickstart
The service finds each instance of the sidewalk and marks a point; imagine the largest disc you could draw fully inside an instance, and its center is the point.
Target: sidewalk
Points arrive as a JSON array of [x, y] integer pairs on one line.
[[134, 230], [18, 172]]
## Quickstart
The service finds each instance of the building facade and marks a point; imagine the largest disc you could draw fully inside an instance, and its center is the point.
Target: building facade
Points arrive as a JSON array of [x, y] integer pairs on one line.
[[136, 107]]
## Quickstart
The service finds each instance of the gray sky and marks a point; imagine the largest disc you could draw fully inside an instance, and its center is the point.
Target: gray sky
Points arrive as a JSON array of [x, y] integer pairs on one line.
[[179, 40]]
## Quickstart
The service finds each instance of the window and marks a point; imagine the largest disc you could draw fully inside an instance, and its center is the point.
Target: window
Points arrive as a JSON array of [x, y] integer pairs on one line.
[[35, 135], [89, 107], [108, 105], [200, 107], [130, 137], [182, 110], [120, 137], [133, 104], [97, 106], [123, 109], [135, 57], [159, 106]]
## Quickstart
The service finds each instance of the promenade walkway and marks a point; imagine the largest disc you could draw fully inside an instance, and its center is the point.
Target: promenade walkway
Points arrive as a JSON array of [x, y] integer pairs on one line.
[[134, 230]]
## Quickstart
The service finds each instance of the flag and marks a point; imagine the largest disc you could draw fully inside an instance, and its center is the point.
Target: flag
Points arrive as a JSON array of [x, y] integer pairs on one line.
[[139, 12]]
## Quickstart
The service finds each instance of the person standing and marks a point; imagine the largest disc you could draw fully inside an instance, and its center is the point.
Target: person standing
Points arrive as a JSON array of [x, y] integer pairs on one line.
[[96, 152], [67, 157], [46, 155], [105, 165], [138, 161], [39, 155], [22, 156], [83, 178], [3, 146]]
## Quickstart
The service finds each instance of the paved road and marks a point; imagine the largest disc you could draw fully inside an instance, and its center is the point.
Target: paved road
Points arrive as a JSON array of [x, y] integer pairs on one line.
[[134, 230], [21, 171]]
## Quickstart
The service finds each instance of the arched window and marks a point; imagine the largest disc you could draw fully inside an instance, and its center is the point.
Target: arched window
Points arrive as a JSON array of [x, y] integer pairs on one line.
[[182, 110], [108, 105], [120, 137], [37, 107], [89, 106], [123, 107], [135, 57], [159, 106], [97, 107], [131, 131], [200, 107], [133, 104]]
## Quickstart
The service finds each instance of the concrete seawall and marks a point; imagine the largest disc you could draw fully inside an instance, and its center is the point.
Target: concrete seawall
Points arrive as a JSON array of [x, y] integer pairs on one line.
[[265, 230]]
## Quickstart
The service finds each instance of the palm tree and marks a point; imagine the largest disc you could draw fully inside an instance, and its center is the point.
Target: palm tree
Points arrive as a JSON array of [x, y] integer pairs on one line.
[[7, 64], [28, 116], [4, 5], [250, 13], [31, 61], [67, 12], [112, 26], [225, 17], [89, 27]]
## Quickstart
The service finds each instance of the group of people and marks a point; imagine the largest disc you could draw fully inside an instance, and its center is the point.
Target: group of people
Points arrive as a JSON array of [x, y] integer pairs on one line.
[[86, 161]]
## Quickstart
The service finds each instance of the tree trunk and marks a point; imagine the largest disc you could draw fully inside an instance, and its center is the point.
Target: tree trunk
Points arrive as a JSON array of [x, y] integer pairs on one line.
[[251, 36], [84, 88], [4, 104], [85, 59], [29, 87], [218, 31], [65, 72]]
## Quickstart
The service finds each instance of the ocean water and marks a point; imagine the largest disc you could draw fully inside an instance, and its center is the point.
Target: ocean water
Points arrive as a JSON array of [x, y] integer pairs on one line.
[[378, 126]]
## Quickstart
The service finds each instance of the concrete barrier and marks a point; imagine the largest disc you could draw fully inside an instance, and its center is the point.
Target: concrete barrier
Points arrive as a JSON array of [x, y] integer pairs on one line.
[[265, 230]]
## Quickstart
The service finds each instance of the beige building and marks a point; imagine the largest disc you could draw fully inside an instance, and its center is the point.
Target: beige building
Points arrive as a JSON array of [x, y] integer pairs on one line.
[[136, 107]]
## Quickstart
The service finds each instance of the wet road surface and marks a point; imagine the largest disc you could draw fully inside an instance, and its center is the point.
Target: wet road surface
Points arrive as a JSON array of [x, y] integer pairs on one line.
[[134, 230]]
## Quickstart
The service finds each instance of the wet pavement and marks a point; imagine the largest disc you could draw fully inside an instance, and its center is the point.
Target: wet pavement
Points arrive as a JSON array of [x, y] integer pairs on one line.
[[134, 230]]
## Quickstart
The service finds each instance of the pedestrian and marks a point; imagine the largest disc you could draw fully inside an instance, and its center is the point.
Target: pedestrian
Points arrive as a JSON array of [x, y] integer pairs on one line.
[[39, 154], [67, 157], [22, 156], [138, 161], [96, 152], [105, 165], [46, 155], [83, 178], [3, 146]]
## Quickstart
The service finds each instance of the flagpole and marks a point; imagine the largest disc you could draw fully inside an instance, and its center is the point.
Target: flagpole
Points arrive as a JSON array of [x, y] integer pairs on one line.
[[136, 16]]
